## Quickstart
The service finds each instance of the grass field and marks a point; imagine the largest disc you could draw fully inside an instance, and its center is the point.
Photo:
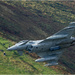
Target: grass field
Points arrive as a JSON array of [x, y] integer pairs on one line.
[[12, 63]]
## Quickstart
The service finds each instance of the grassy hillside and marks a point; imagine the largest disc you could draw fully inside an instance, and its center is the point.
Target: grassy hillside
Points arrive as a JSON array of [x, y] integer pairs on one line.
[[12, 63], [47, 17], [35, 20]]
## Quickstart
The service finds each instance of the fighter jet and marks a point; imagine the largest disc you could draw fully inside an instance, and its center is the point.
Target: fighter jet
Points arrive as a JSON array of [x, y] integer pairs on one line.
[[49, 49]]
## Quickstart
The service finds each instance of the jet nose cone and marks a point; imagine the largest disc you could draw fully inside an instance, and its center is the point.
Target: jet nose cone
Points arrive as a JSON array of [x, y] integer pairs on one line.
[[11, 48]]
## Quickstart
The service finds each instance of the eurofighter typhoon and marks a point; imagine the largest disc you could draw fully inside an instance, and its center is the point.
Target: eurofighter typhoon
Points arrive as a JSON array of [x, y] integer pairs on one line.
[[51, 48]]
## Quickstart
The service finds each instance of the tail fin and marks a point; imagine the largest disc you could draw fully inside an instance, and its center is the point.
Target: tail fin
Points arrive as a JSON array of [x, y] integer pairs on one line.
[[72, 24], [67, 30], [65, 33]]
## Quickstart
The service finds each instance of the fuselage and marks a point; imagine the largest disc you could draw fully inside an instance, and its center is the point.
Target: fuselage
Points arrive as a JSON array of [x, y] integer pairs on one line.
[[51, 48], [36, 46]]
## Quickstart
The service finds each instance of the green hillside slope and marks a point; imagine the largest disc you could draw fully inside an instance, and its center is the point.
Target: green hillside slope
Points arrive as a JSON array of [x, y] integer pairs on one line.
[[12, 63], [21, 20], [33, 16]]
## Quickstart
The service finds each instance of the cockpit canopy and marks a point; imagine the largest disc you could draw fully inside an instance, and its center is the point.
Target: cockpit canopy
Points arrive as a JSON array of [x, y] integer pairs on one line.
[[22, 42]]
